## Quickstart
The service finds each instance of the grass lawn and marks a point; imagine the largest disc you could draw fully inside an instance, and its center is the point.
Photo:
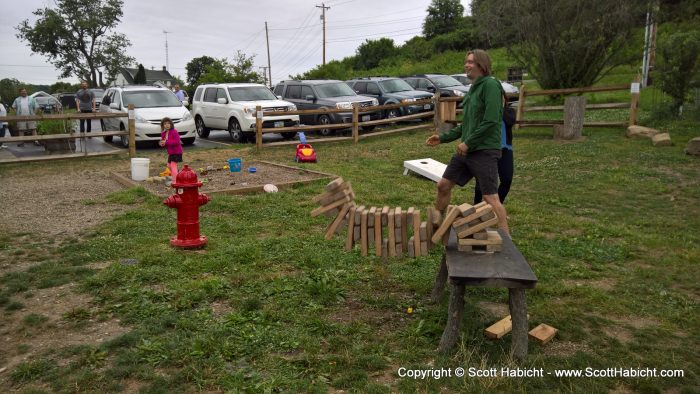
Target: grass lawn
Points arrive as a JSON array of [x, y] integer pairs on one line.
[[611, 227]]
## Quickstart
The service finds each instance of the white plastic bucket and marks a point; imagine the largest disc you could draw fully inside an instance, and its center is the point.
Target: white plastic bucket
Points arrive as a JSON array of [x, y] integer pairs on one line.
[[139, 169]]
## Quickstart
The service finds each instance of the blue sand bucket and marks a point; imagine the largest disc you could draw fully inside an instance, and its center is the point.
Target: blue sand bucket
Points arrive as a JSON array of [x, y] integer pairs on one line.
[[234, 165]]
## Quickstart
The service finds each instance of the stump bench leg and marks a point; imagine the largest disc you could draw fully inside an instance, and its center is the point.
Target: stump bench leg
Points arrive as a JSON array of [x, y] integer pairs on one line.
[[454, 319], [518, 312], [440, 280]]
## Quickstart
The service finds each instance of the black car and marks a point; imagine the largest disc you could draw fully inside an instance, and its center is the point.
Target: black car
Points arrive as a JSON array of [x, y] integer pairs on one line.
[[67, 100], [318, 94], [389, 90], [448, 86]]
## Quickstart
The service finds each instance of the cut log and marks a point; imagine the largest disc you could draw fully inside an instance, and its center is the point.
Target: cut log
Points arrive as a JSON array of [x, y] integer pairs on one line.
[[662, 139], [693, 147]]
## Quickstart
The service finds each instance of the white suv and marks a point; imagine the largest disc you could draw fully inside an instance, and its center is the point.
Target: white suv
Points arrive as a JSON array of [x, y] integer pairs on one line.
[[151, 105], [231, 106]]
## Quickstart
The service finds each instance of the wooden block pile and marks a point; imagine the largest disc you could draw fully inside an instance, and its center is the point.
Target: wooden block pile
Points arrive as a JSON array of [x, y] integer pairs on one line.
[[390, 232], [471, 224]]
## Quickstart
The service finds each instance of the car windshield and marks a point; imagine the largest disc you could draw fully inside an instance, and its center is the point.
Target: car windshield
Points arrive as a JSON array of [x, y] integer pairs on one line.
[[395, 85], [151, 99], [98, 93], [251, 93], [336, 89], [445, 82]]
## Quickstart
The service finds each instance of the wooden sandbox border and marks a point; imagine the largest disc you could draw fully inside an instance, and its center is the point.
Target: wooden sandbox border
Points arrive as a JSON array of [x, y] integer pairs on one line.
[[127, 182]]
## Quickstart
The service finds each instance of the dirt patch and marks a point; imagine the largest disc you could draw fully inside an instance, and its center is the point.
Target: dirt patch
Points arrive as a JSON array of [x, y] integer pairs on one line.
[[52, 319], [354, 311], [606, 284], [498, 310], [215, 178], [219, 308], [621, 334]]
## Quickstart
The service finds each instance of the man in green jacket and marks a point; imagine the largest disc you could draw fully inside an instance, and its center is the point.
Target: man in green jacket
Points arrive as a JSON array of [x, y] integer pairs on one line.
[[480, 138]]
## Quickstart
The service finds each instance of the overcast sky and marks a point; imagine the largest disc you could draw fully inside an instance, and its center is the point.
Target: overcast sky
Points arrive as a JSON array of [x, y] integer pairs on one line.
[[218, 28]]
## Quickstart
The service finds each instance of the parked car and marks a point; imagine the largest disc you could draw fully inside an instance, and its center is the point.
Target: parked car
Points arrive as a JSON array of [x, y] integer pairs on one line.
[[46, 102], [151, 105], [319, 94], [448, 86], [389, 90], [512, 91], [231, 106], [99, 93], [67, 100]]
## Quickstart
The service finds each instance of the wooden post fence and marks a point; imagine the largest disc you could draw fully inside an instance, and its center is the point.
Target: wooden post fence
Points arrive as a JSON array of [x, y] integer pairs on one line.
[[355, 123], [634, 101], [132, 132], [258, 127]]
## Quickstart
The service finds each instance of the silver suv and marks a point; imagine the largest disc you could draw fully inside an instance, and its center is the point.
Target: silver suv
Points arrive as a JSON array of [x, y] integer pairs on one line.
[[231, 106]]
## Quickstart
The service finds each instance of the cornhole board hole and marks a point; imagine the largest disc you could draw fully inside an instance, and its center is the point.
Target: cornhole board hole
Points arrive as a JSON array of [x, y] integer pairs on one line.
[[429, 168]]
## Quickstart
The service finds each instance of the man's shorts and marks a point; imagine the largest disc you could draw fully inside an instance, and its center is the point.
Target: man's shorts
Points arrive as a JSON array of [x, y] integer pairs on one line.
[[175, 158], [26, 126], [482, 165]]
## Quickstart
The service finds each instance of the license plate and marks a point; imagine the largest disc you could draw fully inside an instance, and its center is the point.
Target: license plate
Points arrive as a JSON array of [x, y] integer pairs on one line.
[[365, 118], [426, 106], [279, 124]]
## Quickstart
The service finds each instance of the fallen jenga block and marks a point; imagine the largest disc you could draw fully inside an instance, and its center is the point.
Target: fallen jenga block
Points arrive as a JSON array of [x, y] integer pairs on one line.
[[378, 231], [391, 246], [464, 209], [482, 235], [411, 248], [542, 333], [341, 216], [477, 228], [500, 328], [332, 213], [335, 195], [363, 232], [416, 231], [358, 222], [494, 238], [351, 228], [479, 212], [334, 184], [327, 208]]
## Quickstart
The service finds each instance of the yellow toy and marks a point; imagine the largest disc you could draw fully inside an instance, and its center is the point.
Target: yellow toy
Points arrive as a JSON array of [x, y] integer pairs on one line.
[[166, 172]]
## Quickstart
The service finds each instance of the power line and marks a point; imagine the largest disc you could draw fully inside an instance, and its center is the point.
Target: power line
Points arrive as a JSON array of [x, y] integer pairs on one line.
[[377, 34]]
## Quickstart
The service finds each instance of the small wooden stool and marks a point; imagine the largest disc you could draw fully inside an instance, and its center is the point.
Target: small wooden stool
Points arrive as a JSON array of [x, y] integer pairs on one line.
[[507, 269]]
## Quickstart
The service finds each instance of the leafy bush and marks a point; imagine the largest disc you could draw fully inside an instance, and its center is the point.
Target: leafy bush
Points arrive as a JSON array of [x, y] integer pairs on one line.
[[679, 66]]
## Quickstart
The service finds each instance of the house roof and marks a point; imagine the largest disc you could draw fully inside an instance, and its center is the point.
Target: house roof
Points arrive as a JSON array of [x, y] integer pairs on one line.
[[151, 75]]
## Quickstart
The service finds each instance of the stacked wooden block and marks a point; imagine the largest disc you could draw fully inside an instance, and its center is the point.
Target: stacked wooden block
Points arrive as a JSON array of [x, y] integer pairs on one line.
[[390, 232], [471, 224]]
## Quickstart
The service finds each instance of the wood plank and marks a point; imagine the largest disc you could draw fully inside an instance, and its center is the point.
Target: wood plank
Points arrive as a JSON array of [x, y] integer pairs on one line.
[[334, 184], [334, 195], [550, 92], [477, 228], [339, 219], [378, 232], [481, 211], [385, 215], [494, 248], [351, 226], [404, 232], [397, 217], [336, 204], [363, 232], [494, 239], [542, 333], [424, 248], [482, 235], [464, 209], [391, 246], [499, 328], [416, 231]]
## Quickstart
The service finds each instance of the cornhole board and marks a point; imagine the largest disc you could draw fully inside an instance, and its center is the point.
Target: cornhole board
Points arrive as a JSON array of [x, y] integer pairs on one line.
[[429, 168]]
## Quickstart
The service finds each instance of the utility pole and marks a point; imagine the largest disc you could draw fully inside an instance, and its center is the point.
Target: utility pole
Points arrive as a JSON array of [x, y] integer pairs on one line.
[[167, 62], [269, 67], [323, 18]]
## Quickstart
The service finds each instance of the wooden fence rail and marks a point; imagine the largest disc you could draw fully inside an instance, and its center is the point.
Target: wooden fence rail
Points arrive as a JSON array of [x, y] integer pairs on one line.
[[131, 132], [632, 105]]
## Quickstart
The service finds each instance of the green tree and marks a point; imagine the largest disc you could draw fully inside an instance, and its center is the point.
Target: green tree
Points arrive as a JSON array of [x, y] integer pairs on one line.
[[223, 71], [565, 43], [75, 37], [140, 77], [371, 52], [443, 17], [678, 69], [242, 69], [9, 89], [196, 67], [61, 87]]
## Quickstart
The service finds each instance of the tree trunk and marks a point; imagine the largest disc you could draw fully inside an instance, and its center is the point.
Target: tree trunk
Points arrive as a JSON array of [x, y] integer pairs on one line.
[[518, 313], [454, 319], [574, 109]]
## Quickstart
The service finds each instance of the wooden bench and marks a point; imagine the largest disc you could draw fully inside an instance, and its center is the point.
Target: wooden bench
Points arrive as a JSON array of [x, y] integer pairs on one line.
[[507, 269]]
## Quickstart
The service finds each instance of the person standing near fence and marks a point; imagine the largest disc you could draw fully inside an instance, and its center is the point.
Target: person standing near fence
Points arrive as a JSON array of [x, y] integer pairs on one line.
[[506, 163], [85, 102], [480, 138], [3, 125], [25, 106]]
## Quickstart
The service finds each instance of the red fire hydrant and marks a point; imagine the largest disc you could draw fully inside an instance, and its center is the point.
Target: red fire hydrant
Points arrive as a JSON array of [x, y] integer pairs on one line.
[[187, 200]]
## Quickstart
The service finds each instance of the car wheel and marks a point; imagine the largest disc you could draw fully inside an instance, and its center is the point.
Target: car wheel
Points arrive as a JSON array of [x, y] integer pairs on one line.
[[188, 141], [202, 131], [107, 138], [289, 136], [325, 120], [234, 129], [124, 138], [392, 113], [368, 128]]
